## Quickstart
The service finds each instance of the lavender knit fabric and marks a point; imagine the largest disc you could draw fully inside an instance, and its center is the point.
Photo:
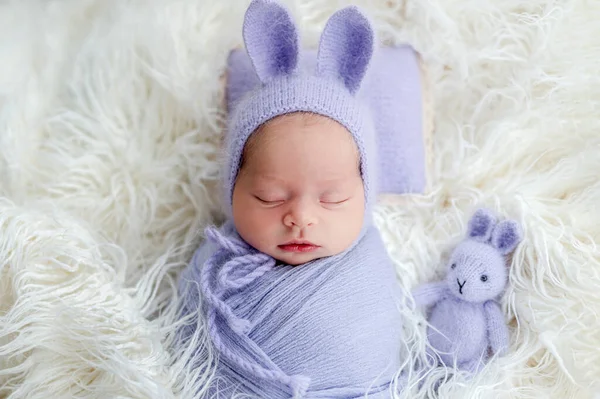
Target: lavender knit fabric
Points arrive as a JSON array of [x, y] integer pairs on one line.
[[329, 328]]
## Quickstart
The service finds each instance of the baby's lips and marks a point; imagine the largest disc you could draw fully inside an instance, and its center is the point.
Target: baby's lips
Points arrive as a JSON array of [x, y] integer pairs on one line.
[[299, 242], [299, 247]]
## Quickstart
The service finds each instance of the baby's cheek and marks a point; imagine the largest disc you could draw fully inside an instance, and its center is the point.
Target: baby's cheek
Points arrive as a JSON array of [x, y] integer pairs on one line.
[[349, 226], [256, 225], [266, 220]]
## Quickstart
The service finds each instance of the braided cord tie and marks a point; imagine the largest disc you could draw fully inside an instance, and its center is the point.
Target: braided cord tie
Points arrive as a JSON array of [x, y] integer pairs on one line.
[[245, 266]]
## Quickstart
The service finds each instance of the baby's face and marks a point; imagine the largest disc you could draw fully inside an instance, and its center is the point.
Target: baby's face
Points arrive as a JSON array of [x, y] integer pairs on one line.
[[299, 195]]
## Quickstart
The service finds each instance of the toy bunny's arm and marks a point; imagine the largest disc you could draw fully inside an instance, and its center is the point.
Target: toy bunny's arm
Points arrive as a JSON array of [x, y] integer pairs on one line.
[[429, 294], [497, 329]]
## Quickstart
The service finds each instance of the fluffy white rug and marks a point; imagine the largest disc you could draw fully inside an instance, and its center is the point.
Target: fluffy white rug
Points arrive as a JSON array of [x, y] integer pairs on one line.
[[109, 120]]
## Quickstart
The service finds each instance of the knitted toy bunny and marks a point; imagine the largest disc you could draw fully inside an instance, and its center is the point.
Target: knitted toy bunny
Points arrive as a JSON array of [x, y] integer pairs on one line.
[[465, 319]]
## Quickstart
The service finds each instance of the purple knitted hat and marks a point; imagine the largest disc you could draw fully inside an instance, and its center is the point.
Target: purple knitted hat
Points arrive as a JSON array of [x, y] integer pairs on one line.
[[345, 51]]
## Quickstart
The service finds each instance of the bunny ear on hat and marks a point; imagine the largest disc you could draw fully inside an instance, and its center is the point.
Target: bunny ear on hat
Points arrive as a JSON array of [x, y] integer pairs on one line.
[[271, 39], [346, 48], [272, 43]]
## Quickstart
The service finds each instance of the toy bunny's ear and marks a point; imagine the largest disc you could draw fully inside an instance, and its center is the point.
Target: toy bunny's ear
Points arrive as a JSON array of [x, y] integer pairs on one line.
[[271, 39], [346, 48], [481, 225], [506, 236]]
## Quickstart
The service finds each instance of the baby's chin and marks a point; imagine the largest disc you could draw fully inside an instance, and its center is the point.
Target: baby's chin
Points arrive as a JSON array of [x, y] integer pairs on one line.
[[296, 259], [299, 258]]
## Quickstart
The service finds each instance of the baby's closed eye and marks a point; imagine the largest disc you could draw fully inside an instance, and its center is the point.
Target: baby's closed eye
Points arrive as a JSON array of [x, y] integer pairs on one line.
[[270, 197], [334, 198]]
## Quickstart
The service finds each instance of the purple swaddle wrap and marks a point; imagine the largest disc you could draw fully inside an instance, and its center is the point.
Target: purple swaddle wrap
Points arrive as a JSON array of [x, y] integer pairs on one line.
[[326, 329], [329, 328]]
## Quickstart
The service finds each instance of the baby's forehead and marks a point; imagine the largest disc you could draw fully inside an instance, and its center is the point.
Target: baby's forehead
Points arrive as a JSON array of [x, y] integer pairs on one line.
[[302, 142], [289, 128], [304, 118], [306, 121], [312, 143]]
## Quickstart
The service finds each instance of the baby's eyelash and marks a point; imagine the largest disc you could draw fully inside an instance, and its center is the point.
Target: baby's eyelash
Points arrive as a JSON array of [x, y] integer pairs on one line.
[[268, 202], [335, 202]]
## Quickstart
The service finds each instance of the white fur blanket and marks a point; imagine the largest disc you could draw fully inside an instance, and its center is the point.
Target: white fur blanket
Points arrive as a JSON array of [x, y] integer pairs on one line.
[[109, 120]]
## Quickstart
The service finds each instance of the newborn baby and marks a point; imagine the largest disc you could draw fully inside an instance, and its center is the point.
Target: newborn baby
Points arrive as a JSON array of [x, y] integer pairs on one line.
[[299, 194], [298, 293]]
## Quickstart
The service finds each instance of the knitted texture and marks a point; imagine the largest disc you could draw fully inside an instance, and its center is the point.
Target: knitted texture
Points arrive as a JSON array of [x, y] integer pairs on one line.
[[465, 318], [327, 329], [330, 89]]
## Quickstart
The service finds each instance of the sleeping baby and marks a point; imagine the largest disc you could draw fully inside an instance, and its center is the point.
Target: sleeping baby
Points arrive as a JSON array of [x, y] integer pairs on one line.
[[299, 296]]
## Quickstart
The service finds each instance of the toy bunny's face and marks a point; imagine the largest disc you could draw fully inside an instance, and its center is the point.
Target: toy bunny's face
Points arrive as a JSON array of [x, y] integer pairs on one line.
[[476, 272], [477, 269]]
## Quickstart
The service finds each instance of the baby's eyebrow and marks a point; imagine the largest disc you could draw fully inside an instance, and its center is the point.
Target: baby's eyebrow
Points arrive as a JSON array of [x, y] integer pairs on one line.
[[328, 184], [268, 177], [340, 181]]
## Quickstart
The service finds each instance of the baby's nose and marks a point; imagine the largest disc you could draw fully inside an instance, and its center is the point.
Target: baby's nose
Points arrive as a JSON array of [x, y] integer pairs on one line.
[[301, 215]]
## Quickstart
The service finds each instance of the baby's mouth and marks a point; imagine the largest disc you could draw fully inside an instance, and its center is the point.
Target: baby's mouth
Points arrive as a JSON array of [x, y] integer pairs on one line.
[[298, 246]]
